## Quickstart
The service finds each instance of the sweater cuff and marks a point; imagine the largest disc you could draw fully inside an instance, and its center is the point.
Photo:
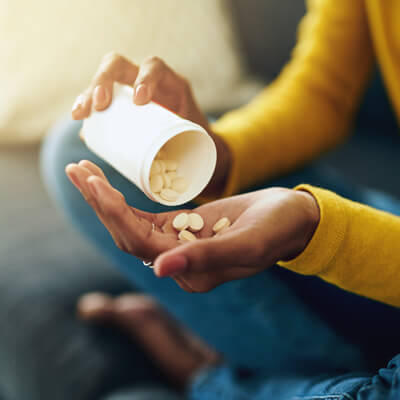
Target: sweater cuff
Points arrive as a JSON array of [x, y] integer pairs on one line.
[[327, 238]]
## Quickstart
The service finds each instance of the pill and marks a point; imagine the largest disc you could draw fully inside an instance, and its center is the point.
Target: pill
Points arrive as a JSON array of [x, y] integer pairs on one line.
[[196, 222], [179, 184], [221, 224], [169, 194], [167, 180], [171, 165], [181, 221], [156, 183], [155, 167], [186, 236]]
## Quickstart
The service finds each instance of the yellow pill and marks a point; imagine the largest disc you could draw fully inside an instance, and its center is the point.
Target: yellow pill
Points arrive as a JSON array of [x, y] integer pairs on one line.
[[156, 183], [169, 194], [181, 221], [179, 184], [221, 224], [186, 236], [196, 222]]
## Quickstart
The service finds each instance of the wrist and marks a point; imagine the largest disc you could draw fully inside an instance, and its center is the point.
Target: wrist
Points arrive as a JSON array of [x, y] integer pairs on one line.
[[309, 217], [222, 169]]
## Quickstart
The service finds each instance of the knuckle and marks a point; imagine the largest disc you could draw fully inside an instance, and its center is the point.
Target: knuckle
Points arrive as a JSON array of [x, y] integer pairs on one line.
[[186, 86], [154, 60], [112, 56]]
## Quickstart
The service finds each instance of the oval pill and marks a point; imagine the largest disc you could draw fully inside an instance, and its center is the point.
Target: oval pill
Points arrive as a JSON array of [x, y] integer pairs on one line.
[[179, 184], [171, 165], [169, 194], [156, 183], [196, 222], [221, 224], [186, 236], [181, 221]]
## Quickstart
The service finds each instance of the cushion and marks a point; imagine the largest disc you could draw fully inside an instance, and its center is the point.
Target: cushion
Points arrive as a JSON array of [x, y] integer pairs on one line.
[[51, 49]]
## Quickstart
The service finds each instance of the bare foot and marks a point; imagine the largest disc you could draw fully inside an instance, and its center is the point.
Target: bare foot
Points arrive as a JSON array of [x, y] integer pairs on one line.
[[179, 353]]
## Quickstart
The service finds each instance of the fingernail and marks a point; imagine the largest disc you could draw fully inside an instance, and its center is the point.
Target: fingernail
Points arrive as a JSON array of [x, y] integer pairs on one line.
[[141, 93], [78, 103], [100, 96], [173, 265]]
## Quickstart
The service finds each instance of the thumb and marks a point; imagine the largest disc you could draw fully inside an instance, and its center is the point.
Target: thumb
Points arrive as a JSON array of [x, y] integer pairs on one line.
[[228, 250]]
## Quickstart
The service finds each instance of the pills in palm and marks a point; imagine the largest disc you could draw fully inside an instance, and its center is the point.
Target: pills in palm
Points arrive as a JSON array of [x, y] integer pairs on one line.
[[181, 221], [186, 236], [186, 223], [195, 222], [221, 224]]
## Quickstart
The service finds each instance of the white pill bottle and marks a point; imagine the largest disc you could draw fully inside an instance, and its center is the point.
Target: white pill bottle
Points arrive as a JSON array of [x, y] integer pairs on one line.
[[128, 137]]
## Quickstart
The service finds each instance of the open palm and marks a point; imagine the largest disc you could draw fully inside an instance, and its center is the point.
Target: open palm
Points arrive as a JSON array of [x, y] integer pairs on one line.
[[267, 225]]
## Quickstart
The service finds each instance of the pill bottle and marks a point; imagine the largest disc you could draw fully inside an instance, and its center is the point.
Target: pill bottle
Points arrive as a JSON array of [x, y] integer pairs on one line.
[[128, 137]]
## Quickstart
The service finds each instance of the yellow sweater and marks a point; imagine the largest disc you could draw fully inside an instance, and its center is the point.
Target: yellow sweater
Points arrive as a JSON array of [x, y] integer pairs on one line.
[[309, 109]]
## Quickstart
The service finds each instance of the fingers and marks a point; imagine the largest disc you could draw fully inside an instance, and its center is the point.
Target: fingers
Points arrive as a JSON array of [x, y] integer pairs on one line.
[[236, 249], [82, 106], [113, 68], [150, 74], [133, 231], [93, 168]]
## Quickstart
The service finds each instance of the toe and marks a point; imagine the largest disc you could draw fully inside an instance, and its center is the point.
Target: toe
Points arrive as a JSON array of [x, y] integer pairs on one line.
[[95, 306]]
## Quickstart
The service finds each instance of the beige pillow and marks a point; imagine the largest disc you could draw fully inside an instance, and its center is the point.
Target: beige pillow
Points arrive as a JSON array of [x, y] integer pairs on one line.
[[50, 50]]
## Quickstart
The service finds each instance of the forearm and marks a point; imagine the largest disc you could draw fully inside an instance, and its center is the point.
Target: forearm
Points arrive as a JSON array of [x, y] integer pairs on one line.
[[309, 108], [354, 247]]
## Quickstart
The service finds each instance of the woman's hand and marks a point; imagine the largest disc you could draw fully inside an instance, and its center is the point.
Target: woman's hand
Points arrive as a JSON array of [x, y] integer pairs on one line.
[[152, 80], [267, 226]]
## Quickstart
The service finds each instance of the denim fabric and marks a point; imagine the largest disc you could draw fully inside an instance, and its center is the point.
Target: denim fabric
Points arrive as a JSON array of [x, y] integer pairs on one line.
[[270, 325]]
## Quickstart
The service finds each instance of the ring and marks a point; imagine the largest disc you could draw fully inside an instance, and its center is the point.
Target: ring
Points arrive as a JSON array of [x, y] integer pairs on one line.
[[148, 264]]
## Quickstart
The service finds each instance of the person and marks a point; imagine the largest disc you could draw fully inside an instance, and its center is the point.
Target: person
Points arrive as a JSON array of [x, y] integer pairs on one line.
[[268, 331]]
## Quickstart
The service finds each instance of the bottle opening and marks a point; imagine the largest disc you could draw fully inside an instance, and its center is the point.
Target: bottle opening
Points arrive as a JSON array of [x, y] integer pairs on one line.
[[195, 154]]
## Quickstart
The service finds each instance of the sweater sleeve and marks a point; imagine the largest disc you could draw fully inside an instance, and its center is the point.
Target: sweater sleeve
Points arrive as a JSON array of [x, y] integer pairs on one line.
[[308, 108], [353, 247]]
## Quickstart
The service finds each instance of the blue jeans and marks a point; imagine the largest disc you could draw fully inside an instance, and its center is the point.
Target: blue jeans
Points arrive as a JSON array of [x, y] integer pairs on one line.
[[284, 336]]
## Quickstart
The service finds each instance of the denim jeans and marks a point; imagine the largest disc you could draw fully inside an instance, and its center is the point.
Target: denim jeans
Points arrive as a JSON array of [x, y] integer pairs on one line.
[[283, 336]]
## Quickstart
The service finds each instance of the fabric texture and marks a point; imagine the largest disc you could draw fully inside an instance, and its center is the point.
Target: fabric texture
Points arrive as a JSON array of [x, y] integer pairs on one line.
[[353, 247], [51, 49]]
